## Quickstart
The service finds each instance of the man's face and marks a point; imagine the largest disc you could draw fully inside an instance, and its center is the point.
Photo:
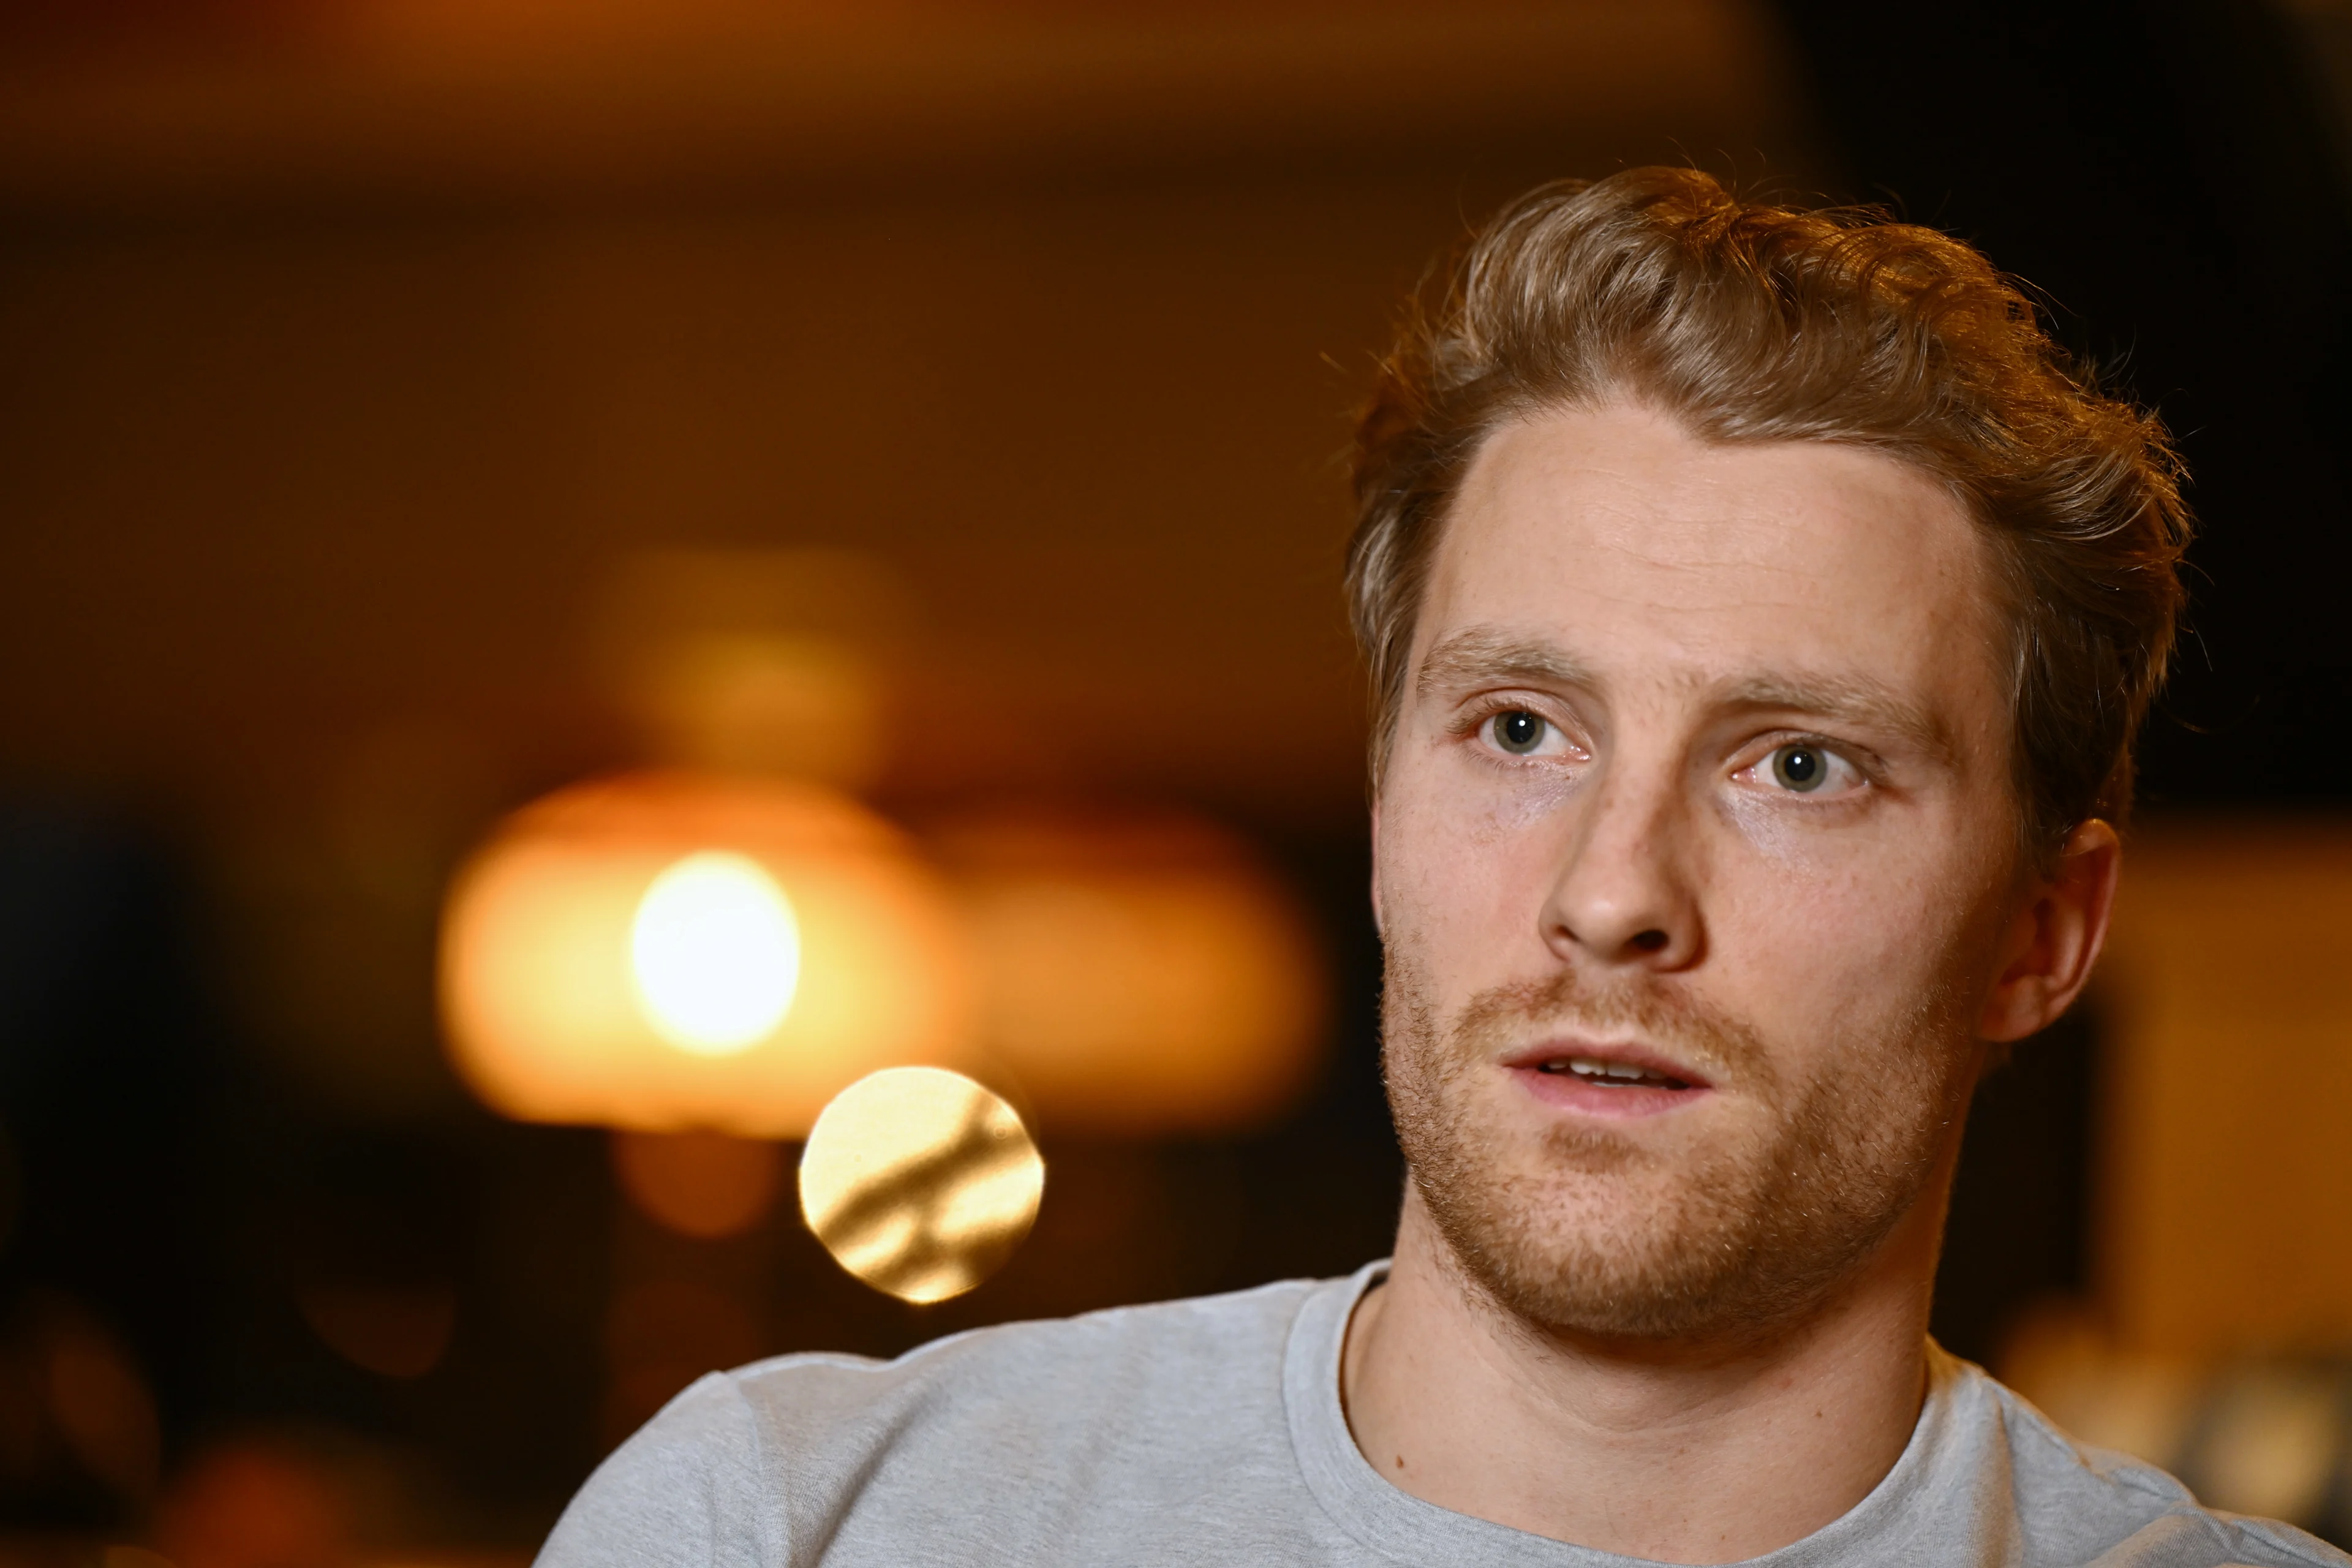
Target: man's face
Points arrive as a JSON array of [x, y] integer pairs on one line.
[[1695, 848]]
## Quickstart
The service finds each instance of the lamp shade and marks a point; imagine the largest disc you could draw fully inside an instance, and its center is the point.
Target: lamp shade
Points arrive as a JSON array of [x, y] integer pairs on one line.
[[1143, 974], [669, 950]]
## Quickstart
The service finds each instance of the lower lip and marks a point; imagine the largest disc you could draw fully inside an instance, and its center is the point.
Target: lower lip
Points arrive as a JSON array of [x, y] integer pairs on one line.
[[1569, 1092]]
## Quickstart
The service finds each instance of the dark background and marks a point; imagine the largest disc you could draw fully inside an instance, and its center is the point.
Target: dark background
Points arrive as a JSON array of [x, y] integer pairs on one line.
[[2170, 177]]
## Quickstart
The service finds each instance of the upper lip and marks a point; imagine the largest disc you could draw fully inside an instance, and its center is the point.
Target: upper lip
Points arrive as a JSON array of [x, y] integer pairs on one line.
[[1628, 1054]]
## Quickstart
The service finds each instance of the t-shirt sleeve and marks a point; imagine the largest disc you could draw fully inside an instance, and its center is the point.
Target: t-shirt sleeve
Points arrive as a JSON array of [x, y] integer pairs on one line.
[[685, 1492]]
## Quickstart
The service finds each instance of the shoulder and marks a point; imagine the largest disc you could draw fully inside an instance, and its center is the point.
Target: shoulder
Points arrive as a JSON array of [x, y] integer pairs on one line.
[[1135, 1352], [2080, 1504], [755, 1464], [688, 1487]]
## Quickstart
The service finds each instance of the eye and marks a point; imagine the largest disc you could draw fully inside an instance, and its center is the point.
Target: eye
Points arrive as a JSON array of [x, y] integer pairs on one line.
[[1518, 731], [1804, 768], [1799, 768]]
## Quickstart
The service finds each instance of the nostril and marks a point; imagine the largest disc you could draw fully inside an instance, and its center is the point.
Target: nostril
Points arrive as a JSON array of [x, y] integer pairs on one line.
[[1650, 940]]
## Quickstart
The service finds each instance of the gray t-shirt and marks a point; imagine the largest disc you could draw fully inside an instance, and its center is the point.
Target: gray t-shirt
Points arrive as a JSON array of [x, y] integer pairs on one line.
[[1209, 1431]]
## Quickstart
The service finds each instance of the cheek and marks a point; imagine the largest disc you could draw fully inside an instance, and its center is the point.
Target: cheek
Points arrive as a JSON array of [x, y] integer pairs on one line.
[[1771, 836], [1844, 958], [1464, 872]]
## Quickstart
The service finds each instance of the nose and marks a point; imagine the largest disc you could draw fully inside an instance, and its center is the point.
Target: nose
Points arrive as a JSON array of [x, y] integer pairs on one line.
[[1625, 895]]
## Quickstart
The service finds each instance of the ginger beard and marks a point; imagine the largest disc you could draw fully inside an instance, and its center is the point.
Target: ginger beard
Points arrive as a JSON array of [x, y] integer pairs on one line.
[[1590, 1231]]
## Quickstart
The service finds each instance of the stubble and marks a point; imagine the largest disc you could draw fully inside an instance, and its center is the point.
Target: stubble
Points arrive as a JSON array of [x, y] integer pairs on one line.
[[1593, 1232]]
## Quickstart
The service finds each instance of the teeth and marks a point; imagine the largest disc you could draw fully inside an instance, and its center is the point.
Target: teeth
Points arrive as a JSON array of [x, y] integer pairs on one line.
[[1592, 1069]]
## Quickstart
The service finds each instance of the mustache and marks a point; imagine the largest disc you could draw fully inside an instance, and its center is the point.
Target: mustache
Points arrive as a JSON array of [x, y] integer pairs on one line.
[[1667, 1019]]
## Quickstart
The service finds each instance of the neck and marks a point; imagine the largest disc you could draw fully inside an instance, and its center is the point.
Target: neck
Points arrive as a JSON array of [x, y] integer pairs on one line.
[[1682, 1453]]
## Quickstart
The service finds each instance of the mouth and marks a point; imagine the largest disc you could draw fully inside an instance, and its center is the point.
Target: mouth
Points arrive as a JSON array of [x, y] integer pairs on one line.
[[1614, 1081]]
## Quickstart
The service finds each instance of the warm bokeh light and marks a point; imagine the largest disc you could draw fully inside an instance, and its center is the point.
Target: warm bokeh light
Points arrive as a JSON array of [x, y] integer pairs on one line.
[[768, 661], [609, 924], [100, 1404], [699, 1184], [715, 953], [920, 1182], [393, 1333], [2248, 1431], [1142, 974], [2223, 1016], [256, 1504]]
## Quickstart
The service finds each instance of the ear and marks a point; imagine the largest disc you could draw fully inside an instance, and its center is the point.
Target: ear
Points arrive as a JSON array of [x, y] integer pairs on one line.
[[2055, 938], [1378, 927]]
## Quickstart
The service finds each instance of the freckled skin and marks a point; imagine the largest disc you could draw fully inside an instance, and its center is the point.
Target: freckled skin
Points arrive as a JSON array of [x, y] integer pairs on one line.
[[1676, 614]]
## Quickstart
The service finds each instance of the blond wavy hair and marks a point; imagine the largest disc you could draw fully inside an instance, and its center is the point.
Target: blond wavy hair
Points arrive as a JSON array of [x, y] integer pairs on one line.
[[1748, 321]]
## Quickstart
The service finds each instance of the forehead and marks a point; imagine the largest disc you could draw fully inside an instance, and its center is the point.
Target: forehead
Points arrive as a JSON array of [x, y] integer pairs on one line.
[[1644, 552]]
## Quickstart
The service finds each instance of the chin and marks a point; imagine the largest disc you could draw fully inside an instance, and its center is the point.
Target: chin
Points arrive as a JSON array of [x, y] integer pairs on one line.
[[1618, 1251], [1595, 1233]]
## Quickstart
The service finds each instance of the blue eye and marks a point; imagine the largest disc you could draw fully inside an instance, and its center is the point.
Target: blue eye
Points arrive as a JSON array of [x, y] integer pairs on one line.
[[1518, 731]]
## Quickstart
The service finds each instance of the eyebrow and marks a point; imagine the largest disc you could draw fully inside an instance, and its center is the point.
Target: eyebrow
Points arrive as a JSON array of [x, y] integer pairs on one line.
[[1866, 702], [1480, 655]]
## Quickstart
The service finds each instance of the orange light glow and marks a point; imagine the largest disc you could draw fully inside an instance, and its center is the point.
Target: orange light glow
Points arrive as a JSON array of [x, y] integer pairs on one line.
[[715, 953], [702, 1184], [666, 951], [243, 1504], [1142, 974], [392, 1332]]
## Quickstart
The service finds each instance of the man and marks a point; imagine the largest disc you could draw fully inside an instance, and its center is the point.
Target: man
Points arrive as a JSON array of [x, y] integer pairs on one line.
[[1759, 616]]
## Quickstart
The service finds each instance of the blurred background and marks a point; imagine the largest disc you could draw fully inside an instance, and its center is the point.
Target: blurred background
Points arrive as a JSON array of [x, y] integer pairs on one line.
[[915, 430]]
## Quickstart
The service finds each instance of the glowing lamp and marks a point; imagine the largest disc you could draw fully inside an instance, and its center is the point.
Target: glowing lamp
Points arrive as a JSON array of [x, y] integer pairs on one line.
[[666, 951], [1142, 976]]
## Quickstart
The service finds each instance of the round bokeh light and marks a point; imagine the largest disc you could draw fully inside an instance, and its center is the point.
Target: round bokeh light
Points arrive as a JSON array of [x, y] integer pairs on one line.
[[920, 1182], [715, 953]]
